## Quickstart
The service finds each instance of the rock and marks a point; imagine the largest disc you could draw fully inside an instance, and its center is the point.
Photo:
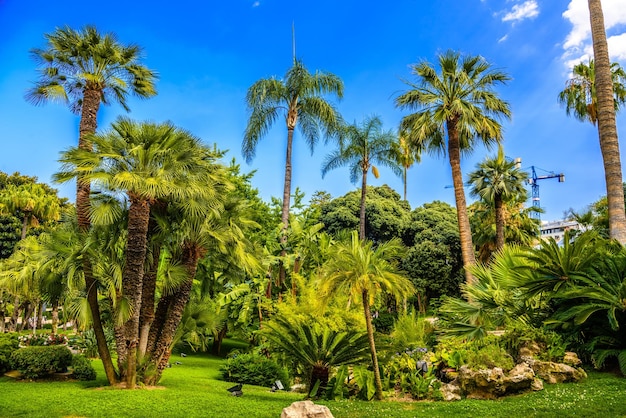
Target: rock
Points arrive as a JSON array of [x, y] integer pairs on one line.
[[519, 378], [537, 384], [530, 350], [571, 359], [450, 392], [306, 409], [298, 387], [552, 372]]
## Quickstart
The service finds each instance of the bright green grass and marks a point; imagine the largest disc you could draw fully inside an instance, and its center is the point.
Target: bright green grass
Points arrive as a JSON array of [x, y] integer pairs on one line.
[[193, 390]]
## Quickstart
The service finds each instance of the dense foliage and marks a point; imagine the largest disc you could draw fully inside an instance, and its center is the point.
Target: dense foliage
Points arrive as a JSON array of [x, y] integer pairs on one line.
[[40, 361]]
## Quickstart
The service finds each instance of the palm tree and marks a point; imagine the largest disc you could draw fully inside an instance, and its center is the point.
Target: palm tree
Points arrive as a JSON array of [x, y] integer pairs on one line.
[[86, 69], [497, 180], [580, 98], [32, 201], [147, 162], [358, 269], [455, 107], [406, 157], [360, 147], [299, 98]]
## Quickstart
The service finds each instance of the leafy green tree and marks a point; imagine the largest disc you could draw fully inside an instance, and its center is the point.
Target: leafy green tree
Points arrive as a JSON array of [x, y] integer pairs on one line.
[[433, 261], [299, 97], [358, 269], [496, 181], [580, 98], [386, 214], [455, 107], [85, 69], [361, 146], [32, 202]]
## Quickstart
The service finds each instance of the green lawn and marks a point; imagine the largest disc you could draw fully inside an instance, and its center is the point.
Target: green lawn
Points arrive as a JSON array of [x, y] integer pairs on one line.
[[192, 390]]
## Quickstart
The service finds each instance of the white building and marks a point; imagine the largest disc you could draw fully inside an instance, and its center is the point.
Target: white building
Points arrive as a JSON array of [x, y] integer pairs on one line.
[[556, 229]]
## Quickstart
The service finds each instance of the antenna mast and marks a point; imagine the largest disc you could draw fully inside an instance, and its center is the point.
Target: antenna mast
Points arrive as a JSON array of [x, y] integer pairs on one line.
[[293, 40]]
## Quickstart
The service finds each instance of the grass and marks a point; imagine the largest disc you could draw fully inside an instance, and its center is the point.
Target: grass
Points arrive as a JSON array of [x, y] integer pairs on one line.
[[192, 389]]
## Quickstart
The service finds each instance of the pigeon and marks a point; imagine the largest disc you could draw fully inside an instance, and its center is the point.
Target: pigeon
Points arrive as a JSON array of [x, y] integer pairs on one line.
[[236, 390], [178, 362], [183, 355]]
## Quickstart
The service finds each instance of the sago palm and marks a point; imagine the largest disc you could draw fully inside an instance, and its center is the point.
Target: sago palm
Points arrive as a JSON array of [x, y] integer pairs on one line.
[[361, 147], [362, 271], [315, 348], [456, 108]]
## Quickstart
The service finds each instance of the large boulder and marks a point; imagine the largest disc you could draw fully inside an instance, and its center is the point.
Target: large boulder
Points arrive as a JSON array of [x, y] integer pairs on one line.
[[519, 378], [492, 383], [552, 372], [571, 359], [450, 392], [306, 409]]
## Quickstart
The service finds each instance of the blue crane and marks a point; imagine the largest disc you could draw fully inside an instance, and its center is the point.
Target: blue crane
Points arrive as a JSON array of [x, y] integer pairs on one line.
[[533, 181]]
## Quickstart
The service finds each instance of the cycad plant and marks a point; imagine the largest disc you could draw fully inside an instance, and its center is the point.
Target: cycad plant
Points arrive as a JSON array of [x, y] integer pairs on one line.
[[315, 348]]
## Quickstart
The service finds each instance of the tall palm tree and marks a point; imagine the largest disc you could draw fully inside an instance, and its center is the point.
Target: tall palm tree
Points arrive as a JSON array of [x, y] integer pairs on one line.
[[360, 147], [455, 107], [358, 269], [580, 98], [299, 98], [147, 162], [497, 180], [85, 69], [406, 156]]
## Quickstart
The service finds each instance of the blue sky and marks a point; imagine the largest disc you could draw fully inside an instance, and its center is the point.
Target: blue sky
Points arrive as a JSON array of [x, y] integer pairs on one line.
[[208, 53]]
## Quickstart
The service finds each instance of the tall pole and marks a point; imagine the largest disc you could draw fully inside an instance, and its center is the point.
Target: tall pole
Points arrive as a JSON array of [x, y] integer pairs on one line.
[[293, 40]]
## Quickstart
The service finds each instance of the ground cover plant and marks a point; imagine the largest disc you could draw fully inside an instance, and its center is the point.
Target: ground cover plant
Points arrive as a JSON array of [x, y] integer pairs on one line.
[[193, 389]]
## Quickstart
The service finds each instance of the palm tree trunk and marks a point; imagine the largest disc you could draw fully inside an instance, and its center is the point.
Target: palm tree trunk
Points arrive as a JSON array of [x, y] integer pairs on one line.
[[136, 247], [404, 180], [499, 222], [370, 337], [25, 223], [607, 127], [162, 349], [284, 216], [465, 232], [146, 315], [362, 212], [87, 126], [55, 317]]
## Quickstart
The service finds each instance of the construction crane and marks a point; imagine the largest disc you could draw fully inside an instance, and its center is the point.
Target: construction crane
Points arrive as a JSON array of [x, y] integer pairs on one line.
[[533, 181]]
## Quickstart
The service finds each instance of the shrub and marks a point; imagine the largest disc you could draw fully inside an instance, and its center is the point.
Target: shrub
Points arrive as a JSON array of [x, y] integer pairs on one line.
[[412, 331], [551, 345], [8, 344], [384, 322], [253, 369], [488, 357], [34, 362], [83, 370], [87, 344]]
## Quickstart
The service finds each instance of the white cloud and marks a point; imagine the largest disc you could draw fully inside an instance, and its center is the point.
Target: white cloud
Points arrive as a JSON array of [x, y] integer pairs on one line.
[[527, 10], [256, 4], [577, 44], [504, 38]]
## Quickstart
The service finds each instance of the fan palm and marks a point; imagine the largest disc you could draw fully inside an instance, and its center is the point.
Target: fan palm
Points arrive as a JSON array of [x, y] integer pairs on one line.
[[360, 147], [32, 201], [85, 69], [459, 101], [406, 157], [497, 180], [146, 161], [361, 271], [607, 126]]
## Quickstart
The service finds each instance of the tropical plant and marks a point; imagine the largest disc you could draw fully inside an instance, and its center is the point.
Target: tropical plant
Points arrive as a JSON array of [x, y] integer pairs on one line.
[[315, 349], [497, 180], [363, 271], [147, 162], [86, 69], [454, 107], [361, 146], [406, 156], [595, 93], [299, 97]]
